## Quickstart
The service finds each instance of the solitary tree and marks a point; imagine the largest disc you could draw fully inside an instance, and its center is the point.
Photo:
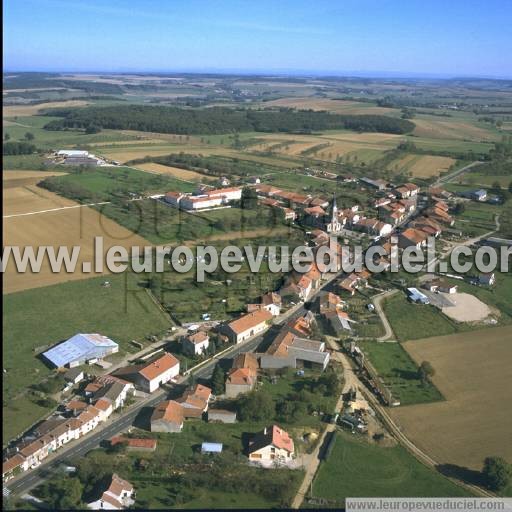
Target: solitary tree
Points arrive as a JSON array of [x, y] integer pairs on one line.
[[29, 136], [218, 378], [497, 473], [426, 371], [7, 137]]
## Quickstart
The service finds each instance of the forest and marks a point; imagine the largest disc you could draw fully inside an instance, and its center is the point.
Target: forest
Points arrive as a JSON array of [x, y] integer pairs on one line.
[[220, 120]]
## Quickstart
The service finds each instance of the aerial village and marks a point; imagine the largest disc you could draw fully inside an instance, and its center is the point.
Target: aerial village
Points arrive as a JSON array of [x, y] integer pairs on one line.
[[279, 335]]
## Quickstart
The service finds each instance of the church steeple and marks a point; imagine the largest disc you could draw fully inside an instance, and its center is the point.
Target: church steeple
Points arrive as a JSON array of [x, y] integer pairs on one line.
[[334, 210]]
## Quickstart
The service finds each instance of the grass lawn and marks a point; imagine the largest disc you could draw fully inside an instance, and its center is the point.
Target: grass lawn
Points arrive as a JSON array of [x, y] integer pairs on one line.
[[39, 318], [414, 321], [400, 373], [356, 468], [178, 476]]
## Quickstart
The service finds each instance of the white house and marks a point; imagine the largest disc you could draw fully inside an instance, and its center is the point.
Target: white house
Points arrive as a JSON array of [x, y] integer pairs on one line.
[[273, 444], [196, 344], [117, 496], [248, 325], [164, 369]]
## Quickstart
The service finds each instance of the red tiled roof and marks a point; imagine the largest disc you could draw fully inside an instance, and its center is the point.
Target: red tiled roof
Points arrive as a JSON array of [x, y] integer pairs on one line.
[[159, 366], [246, 322]]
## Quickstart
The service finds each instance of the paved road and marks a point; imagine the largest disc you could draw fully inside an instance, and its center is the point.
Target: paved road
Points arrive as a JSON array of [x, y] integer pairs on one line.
[[114, 425]]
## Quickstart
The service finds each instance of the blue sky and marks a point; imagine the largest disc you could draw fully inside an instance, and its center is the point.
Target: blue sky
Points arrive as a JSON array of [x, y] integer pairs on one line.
[[395, 37]]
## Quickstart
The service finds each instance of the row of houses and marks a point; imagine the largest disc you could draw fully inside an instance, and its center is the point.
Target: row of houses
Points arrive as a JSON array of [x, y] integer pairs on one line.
[[105, 395]]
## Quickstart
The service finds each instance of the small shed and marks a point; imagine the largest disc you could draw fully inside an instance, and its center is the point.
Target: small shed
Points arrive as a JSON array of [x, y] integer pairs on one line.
[[74, 375], [211, 448], [221, 415]]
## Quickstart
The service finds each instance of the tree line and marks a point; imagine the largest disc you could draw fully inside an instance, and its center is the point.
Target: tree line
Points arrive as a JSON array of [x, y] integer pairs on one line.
[[219, 120]]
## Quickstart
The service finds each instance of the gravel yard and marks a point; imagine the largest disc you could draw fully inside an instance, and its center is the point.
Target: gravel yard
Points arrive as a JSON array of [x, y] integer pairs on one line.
[[467, 308]]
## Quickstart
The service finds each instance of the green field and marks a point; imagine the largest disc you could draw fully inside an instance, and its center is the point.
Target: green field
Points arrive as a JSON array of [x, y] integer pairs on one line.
[[36, 319], [107, 183], [357, 469], [44, 139], [400, 373], [414, 321]]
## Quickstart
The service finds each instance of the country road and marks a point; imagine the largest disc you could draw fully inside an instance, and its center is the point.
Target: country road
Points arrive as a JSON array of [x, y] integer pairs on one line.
[[377, 302], [353, 381], [455, 174]]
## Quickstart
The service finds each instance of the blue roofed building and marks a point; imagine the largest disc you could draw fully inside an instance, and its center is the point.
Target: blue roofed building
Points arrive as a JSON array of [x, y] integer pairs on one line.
[[211, 448], [80, 349]]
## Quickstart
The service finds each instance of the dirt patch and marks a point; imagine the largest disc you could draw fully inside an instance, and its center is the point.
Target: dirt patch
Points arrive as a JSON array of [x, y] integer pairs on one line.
[[468, 308], [30, 110], [473, 373]]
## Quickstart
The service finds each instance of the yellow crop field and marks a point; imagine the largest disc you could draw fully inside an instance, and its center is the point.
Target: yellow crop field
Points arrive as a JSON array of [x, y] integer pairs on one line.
[[31, 110], [338, 106], [472, 370], [422, 166], [183, 174], [70, 224], [460, 130]]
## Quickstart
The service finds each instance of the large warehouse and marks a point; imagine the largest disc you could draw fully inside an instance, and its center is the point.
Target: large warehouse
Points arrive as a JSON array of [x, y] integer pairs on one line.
[[80, 349]]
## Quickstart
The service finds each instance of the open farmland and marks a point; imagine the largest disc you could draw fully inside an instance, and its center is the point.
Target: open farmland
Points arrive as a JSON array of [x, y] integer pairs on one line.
[[36, 319], [472, 372], [182, 174], [70, 224], [431, 127], [30, 110], [422, 166], [331, 105]]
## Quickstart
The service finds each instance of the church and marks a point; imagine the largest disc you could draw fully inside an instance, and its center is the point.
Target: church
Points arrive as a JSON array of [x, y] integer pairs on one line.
[[334, 225]]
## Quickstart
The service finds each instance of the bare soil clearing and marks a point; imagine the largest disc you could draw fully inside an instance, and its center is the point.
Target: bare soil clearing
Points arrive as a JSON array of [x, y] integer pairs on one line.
[[468, 308], [472, 370]]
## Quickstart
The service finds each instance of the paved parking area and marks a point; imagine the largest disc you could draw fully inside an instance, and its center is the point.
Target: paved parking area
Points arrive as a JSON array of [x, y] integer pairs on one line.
[[440, 300]]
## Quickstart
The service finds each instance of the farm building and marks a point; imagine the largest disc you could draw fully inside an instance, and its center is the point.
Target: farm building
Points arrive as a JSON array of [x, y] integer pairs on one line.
[[149, 376], [74, 375], [80, 349], [415, 295], [440, 285], [378, 184]]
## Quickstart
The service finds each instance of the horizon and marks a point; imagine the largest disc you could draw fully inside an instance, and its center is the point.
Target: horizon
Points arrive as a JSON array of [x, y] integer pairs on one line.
[[358, 39]]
